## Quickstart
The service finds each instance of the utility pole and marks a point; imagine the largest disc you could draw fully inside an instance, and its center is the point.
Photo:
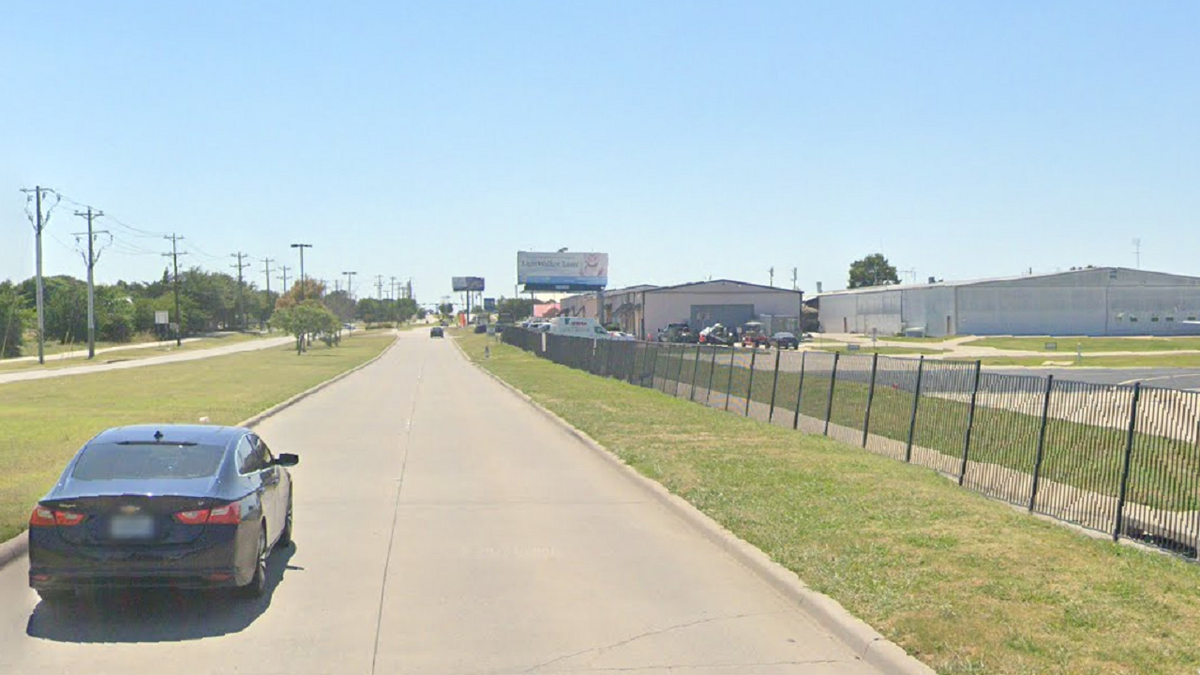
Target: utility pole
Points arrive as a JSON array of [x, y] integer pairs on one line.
[[379, 287], [772, 273], [267, 269], [39, 225], [303, 291], [283, 277], [240, 266], [175, 239], [795, 285], [349, 284], [409, 293], [90, 259], [392, 292]]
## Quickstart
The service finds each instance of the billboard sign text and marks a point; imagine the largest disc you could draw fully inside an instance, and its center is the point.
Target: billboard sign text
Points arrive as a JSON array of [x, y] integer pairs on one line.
[[567, 271]]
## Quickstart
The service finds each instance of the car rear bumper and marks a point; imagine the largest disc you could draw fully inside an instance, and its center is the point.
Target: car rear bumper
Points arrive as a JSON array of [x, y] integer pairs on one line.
[[59, 565]]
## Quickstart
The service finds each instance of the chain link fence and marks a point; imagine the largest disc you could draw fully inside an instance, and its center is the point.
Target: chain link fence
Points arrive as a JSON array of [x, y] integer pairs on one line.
[[1122, 460]]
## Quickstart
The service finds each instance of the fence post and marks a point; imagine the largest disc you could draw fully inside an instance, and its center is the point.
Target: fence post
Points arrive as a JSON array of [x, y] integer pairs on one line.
[[870, 398], [832, 384], [962, 471], [774, 386], [1133, 409], [683, 350], [750, 387], [653, 365], [695, 369], [1041, 446], [729, 382], [712, 370], [634, 370], [912, 420], [799, 392]]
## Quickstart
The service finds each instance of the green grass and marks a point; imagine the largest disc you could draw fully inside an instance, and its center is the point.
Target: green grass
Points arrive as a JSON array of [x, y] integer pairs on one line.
[[1068, 345], [130, 354], [1078, 454], [43, 423], [968, 585]]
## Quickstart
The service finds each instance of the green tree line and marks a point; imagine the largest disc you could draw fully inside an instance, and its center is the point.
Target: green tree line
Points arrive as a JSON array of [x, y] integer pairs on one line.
[[209, 301]]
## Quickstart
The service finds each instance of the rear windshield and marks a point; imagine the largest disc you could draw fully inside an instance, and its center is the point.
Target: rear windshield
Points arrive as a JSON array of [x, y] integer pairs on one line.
[[111, 462]]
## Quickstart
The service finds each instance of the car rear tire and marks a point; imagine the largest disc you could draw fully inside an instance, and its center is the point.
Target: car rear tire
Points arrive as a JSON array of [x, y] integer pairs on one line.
[[258, 583], [285, 537]]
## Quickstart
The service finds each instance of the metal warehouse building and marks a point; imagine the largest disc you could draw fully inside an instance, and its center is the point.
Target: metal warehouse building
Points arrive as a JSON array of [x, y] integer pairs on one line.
[[1093, 301], [644, 310]]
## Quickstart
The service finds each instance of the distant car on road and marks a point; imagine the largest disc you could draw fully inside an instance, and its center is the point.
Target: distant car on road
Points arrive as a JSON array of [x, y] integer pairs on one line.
[[163, 505], [622, 335], [437, 332], [785, 340]]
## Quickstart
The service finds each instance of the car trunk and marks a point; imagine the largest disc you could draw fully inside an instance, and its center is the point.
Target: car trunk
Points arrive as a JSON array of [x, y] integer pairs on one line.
[[121, 515]]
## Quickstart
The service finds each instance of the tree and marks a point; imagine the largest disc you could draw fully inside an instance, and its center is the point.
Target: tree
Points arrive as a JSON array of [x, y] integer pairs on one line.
[[872, 270], [518, 308], [12, 320], [306, 318], [446, 310]]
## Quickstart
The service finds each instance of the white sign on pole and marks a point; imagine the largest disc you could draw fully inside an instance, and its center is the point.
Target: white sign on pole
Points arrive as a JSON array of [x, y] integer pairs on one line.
[[161, 317]]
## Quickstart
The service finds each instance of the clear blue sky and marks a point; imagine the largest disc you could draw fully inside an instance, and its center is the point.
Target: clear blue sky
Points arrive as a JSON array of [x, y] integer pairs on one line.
[[686, 139]]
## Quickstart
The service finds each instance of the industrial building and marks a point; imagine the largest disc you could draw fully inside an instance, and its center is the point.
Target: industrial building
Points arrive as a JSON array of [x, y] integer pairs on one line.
[[644, 310], [1091, 301]]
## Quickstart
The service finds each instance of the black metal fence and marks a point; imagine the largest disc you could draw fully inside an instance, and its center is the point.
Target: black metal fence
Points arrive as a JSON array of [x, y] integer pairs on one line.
[[1123, 460]]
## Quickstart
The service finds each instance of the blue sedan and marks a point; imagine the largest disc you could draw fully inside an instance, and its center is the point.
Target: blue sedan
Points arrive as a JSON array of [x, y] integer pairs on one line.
[[163, 505]]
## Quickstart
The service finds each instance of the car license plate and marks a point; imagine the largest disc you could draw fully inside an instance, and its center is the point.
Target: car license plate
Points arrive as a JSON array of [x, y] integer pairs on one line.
[[131, 527]]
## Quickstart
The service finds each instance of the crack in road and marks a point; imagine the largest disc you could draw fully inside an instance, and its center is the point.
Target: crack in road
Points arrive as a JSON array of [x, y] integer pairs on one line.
[[396, 513], [635, 638]]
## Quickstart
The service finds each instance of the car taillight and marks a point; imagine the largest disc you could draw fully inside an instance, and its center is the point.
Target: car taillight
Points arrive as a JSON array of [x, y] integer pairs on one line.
[[230, 514], [192, 517], [44, 517], [68, 519], [41, 517]]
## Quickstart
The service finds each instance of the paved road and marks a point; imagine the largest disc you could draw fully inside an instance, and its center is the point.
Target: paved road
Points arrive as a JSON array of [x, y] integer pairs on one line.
[[1174, 378], [443, 526], [264, 343]]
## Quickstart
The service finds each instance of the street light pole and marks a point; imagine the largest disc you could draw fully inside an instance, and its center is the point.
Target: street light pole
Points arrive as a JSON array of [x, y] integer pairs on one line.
[[303, 292]]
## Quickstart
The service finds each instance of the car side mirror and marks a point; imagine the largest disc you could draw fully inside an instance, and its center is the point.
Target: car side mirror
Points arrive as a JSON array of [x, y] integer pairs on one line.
[[287, 459]]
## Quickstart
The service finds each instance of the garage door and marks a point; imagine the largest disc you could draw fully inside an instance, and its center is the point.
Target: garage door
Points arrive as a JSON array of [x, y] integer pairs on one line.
[[726, 315]]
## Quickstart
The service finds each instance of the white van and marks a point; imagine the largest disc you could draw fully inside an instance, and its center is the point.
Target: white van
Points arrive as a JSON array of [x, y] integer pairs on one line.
[[579, 327]]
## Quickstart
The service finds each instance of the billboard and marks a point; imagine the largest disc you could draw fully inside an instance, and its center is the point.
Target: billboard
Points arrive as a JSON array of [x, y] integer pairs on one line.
[[489, 304], [562, 271], [467, 283]]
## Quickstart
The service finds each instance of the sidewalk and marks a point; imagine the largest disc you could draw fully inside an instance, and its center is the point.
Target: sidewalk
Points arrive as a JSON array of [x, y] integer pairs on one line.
[[265, 343]]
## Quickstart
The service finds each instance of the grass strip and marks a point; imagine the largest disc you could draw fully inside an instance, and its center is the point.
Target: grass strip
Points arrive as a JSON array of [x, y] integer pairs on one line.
[[43, 423], [1068, 345], [967, 585], [130, 353]]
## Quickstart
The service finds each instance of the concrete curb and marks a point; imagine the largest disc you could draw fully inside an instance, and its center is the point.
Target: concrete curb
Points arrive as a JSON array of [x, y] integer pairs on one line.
[[19, 545], [870, 646], [13, 548]]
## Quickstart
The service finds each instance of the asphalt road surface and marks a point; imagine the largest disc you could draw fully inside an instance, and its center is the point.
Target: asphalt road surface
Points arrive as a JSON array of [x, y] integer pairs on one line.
[[443, 526], [1173, 378]]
